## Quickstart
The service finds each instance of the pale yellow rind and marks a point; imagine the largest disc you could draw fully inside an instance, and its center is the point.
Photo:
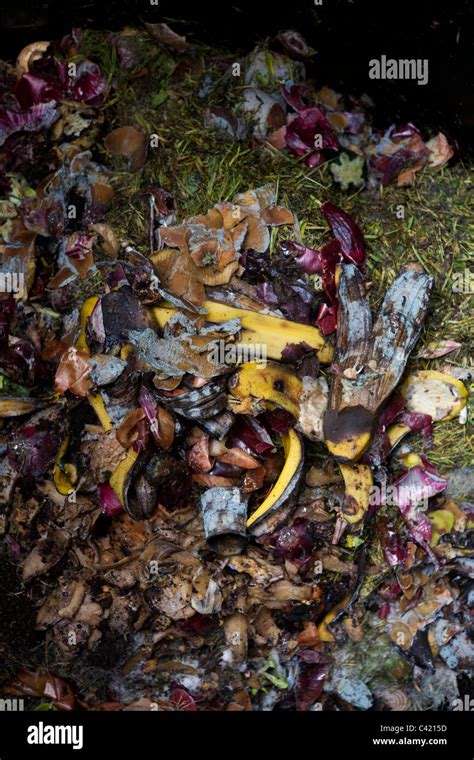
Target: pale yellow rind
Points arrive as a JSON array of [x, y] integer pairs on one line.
[[424, 404]]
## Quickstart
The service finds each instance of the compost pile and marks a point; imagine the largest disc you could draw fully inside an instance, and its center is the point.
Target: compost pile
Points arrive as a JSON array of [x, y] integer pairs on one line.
[[216, 486]]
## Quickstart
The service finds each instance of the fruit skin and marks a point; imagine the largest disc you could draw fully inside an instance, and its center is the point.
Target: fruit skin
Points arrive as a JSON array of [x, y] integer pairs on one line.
[[287, 481], [273, 382], [358, 487], [351, 449], [323, 630], [97, 403], [442, 521], [396, 432], [61, 481], [418, 403], [423, 379], [278, 385], [411, 460], [86, 310], [370, 358], [272, 332], [121, 475]]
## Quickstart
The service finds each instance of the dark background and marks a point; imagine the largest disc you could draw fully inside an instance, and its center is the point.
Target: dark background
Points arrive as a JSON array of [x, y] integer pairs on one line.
[[345, 33]]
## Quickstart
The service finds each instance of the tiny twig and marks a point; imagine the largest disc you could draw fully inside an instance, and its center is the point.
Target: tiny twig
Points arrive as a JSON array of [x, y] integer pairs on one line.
[[151, 232]]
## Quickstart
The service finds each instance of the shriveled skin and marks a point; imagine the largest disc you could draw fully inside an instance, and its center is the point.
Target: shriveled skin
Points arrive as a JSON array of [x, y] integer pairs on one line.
[[370, 359], [396, 331], [347, 422]]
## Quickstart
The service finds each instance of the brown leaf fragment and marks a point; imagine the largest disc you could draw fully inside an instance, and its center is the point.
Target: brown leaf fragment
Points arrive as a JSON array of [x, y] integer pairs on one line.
[[309, 636], [258, 236], [179, 274], [253, 480], [236, 635], [108, 236], [240, 458], [277, 215], [198, 455], [46, 554], [127, 433], [266, 627], [101, 455], [73, 372], [130, 143]]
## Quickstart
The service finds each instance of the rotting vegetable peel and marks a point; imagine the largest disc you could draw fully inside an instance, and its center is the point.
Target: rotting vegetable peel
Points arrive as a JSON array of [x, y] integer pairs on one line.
[[370, 359], [255, 521]]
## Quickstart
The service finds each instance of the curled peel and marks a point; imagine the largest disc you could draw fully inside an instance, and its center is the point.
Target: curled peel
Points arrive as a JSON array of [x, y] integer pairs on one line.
[[287, 480], [434, 393]]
